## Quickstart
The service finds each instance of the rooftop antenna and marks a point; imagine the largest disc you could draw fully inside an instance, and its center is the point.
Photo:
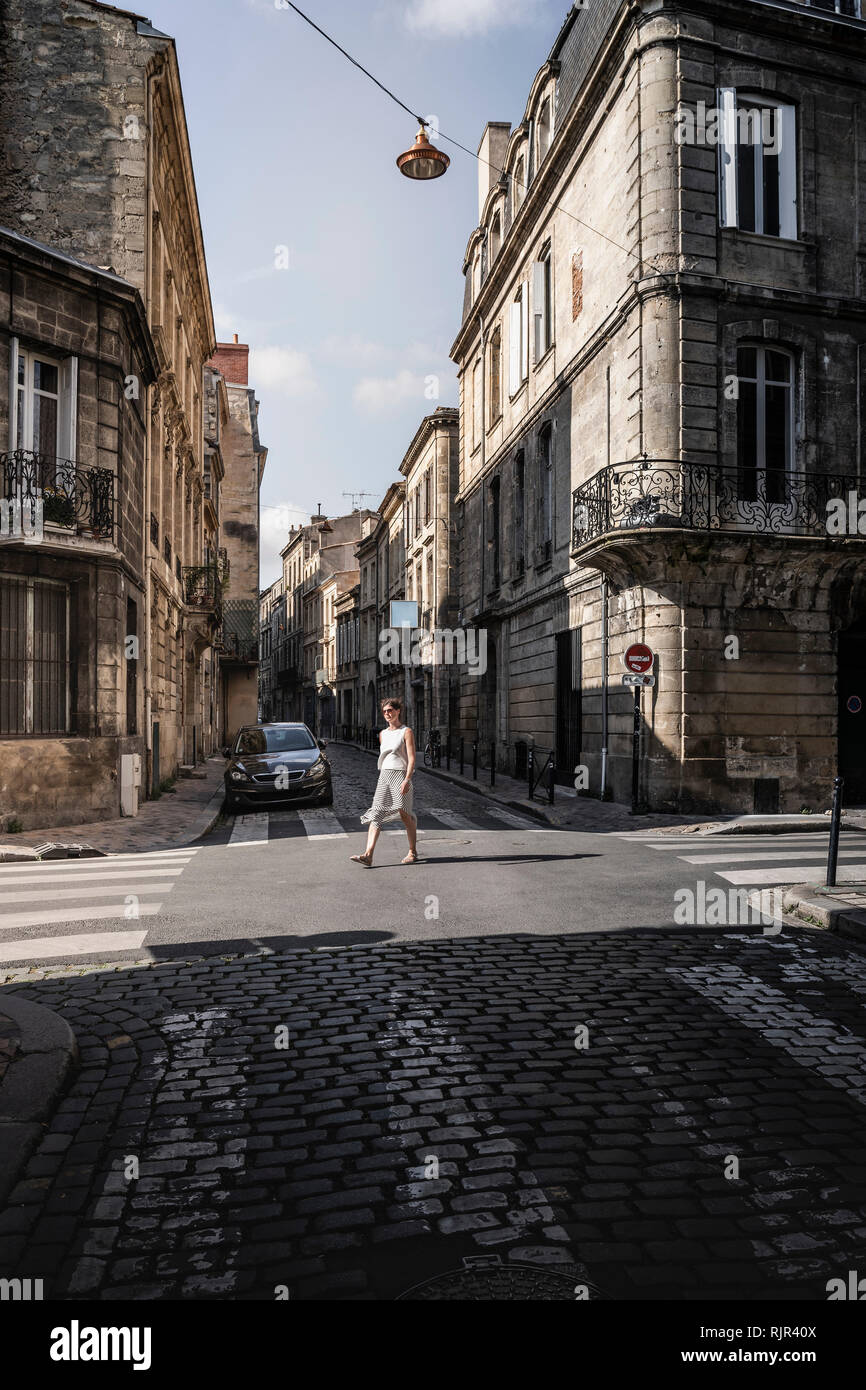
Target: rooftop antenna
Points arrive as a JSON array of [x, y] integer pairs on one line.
[[357, 509]]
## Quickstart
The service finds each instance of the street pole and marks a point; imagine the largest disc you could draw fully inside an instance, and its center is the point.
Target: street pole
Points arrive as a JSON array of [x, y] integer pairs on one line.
[[635, 754], [835, 826]]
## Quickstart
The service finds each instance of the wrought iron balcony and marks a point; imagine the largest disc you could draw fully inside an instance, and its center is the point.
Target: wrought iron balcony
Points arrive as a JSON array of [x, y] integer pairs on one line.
[[655, 494], [235, 647], [79, 499], [202, 588]]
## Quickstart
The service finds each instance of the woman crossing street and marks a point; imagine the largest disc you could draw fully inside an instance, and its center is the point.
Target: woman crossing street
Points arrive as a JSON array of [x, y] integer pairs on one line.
[[393, 796]]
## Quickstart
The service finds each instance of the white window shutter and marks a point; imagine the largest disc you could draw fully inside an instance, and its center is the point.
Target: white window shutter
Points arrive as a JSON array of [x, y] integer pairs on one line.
[[514, 336], [68, 409], [786, 119], [727, 104], [538, 309], [13, 393], [524, 328]]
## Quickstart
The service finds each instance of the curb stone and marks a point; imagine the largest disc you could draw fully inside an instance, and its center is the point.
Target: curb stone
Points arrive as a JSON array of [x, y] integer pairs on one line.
[[37, 1076], [805, 904]]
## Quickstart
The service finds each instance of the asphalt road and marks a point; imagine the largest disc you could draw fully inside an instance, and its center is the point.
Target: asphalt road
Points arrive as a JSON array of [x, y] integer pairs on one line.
[[285, 879]]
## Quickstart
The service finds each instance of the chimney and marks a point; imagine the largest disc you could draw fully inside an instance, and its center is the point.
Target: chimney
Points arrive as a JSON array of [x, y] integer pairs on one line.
[[231, 360], [491, 159]]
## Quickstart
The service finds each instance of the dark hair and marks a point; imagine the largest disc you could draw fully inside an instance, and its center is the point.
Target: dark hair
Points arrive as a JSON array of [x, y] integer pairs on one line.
[[398, 704]]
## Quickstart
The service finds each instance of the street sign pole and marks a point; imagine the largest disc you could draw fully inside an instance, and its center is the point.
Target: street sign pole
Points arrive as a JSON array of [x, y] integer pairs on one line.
[[635, 754]]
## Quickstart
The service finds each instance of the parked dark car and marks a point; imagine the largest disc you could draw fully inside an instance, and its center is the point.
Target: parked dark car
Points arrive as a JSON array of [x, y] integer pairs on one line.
[[277, 763]]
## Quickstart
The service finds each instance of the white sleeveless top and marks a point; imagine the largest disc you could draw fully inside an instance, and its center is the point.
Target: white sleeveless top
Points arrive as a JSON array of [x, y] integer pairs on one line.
[[393, 750]]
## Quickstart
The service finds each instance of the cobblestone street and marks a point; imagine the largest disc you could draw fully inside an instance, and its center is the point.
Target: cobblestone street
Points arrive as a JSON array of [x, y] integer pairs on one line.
[[351, 1123]]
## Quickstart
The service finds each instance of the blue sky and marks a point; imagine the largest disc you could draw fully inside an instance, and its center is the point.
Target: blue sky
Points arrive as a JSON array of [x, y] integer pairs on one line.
[[294, 148]]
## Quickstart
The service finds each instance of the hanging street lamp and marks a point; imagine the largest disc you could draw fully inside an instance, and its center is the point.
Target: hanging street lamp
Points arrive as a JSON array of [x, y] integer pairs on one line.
[[423, 161]]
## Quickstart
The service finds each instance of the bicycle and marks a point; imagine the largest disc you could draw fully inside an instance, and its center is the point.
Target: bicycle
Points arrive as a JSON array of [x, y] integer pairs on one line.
[[433, 749]]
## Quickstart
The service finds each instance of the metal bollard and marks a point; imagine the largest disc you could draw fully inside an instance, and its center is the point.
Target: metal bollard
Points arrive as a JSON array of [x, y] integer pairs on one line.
[[475, 760], [461, 757], [835, 826], [530, 767], [550, 782], [493, 764]]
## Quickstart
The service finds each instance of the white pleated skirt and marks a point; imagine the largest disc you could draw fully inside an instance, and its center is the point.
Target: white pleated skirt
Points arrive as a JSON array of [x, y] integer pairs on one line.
[[388, 801]]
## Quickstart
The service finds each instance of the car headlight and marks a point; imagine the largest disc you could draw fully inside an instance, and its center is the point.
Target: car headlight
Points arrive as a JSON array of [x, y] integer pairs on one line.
[[318, 766], [236, 776]]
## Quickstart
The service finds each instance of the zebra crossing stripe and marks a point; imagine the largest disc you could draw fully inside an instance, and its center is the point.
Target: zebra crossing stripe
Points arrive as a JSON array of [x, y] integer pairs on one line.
[[130, 872], [500, 813], [250, 830], [849, 854], [793, 873], [59, 895], [84, 914], [452, 819], [322, 824], [48, 947]]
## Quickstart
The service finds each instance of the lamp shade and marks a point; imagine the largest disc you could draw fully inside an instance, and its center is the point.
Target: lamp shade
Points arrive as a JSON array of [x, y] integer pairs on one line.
[[423, 161]]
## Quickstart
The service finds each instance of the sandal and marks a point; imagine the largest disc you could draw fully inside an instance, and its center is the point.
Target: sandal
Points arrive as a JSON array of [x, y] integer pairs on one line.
[[362, 859], [411, 857]]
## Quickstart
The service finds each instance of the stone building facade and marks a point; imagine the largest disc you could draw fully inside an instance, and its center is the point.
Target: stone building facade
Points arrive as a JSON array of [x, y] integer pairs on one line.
[[661, 366], [76, 358], [431, 470], [347, 613], [96, 163], [299, 614], [243, 458], [381, 559]]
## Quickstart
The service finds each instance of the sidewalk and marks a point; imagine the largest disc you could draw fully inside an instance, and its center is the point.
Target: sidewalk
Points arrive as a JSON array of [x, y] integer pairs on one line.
[[176, 819]]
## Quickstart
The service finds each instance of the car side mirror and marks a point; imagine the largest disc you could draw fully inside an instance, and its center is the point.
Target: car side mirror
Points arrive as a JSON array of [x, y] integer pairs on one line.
[[322, 744], [227, 752]]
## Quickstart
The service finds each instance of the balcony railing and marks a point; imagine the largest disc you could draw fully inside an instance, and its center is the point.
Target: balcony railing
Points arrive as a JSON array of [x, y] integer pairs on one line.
[[202, 588], [666, 494], [79, 499], [237, 648]]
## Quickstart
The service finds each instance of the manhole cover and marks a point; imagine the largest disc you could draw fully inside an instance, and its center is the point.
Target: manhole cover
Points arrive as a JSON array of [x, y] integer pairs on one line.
[[487, 1280]]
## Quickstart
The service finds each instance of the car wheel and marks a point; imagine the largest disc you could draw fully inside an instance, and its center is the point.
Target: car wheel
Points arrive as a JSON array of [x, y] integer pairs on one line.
[[327, 800]]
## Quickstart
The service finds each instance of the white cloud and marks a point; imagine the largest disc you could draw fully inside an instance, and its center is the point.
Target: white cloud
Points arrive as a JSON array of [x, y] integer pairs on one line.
[[378, 395], [283, 369], [464, 18], [274, 529], [353, 351]]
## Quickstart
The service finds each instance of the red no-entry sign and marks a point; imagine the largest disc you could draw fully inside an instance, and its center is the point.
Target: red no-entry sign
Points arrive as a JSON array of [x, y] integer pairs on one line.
[[638, 658]]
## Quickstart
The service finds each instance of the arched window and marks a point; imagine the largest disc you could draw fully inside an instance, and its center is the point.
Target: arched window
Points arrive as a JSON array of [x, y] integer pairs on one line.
[[765, 421]]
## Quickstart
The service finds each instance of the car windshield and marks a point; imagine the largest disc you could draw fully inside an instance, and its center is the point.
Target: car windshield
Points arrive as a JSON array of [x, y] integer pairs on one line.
[[274, 740]]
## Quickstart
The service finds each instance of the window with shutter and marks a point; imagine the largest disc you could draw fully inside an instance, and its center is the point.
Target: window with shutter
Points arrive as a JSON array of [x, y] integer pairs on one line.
[[757, 165]]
